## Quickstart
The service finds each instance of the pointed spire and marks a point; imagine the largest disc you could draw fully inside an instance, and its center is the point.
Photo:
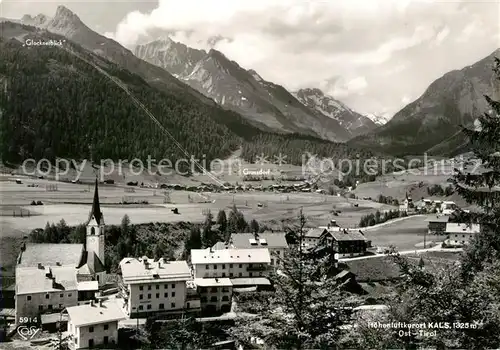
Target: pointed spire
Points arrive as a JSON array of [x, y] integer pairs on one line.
[[96, 207]]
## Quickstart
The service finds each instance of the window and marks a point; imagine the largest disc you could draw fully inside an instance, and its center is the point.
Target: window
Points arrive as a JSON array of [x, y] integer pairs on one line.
[[241, 265], [165, 295], [50, 307], [203, 299], [157, 286], [214, 290], [141, 307], [91, 329], [230, 266], [157, 295], [149, 296], [173, 285], [91, 343], [223, 266], [40, 307], [60, 306], [225, 298], [223, 274], [173, 294], [140, 296], [69, 295], [240, 274], [213, 299], [278, 252], [149, 287], [28, 297], [272, 261], [207, 267], [106, 327], [149, 307], [250, 274], [215, 267], [141, 287], [172, 305], [230, 274], [61, 295], [47, 296], [106, 340], [162, 306]]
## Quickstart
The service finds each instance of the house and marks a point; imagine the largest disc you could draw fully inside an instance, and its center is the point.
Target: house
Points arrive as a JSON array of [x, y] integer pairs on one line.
[[230, 263], [94, 324], [150, 287], [437, 224], [345, 242], [311, 237], [65, 274], [44, 289], [275, 242], [460, 234]]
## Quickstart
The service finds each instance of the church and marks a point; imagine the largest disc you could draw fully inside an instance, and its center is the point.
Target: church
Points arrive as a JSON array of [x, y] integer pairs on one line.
[[51, 277]]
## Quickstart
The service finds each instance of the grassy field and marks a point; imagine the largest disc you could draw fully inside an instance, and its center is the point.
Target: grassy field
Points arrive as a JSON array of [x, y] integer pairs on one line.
[[407, 234]]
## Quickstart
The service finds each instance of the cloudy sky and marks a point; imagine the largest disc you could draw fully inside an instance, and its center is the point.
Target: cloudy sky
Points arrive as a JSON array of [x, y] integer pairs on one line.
[[374, 55]]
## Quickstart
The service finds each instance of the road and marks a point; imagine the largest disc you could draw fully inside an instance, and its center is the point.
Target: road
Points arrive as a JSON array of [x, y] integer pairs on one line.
[[406, 252]]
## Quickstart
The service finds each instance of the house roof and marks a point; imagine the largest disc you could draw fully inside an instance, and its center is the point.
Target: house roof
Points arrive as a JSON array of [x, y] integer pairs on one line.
[[144, 269], [49, 254], [30, 280], [462, 228], [88, 286], [262, 240], [347, 235], [213, 282], [315, 232], [88, 314], [90, 264], [220, 246], [207, 256]]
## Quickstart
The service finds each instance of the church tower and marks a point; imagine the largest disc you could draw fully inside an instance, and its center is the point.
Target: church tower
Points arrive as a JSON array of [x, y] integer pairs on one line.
[[95, 229]]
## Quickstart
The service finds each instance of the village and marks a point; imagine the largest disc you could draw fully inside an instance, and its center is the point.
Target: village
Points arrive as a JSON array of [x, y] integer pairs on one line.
[[64, 288]]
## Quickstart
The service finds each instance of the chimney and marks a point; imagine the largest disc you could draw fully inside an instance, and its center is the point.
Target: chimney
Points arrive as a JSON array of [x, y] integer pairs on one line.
[[92, 302], [159, 264], [100, 302]]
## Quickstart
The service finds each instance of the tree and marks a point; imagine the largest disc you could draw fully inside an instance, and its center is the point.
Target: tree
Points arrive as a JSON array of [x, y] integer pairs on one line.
[[254, 226], [222, 221], [306, 310]]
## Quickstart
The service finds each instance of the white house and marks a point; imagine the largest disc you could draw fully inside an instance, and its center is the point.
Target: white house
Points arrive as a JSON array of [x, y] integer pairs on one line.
[[94, 324], [274, 241], [44, 289], [460, 234], [215, 293], [150, 286], [448, 207]]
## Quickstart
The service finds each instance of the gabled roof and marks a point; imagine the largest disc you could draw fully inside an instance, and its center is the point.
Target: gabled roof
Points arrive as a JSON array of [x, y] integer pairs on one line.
[[90, 264], [241, 256], [96, 212], [315, 233], [262, 240], [148, 270], [346, 235], [49, 254], [88, 314], [31, 280]]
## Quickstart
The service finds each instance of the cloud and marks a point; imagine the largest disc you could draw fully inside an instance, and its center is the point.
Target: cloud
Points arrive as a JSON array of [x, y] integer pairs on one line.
[[364, 52]]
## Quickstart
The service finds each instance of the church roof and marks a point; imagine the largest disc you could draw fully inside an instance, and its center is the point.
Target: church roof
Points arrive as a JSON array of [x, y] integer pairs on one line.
[[90, 264], [49, 254], [96, 207]]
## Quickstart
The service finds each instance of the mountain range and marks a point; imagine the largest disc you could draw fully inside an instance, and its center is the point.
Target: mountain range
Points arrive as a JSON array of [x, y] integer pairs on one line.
[[245, 103], [307, 111], [432, 123]]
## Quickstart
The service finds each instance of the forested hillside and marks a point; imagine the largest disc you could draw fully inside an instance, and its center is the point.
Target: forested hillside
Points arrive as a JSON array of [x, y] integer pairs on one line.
[[54, 104]]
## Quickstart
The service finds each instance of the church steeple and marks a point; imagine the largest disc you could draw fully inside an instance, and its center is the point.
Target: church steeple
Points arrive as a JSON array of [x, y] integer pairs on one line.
[[95, 212]]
